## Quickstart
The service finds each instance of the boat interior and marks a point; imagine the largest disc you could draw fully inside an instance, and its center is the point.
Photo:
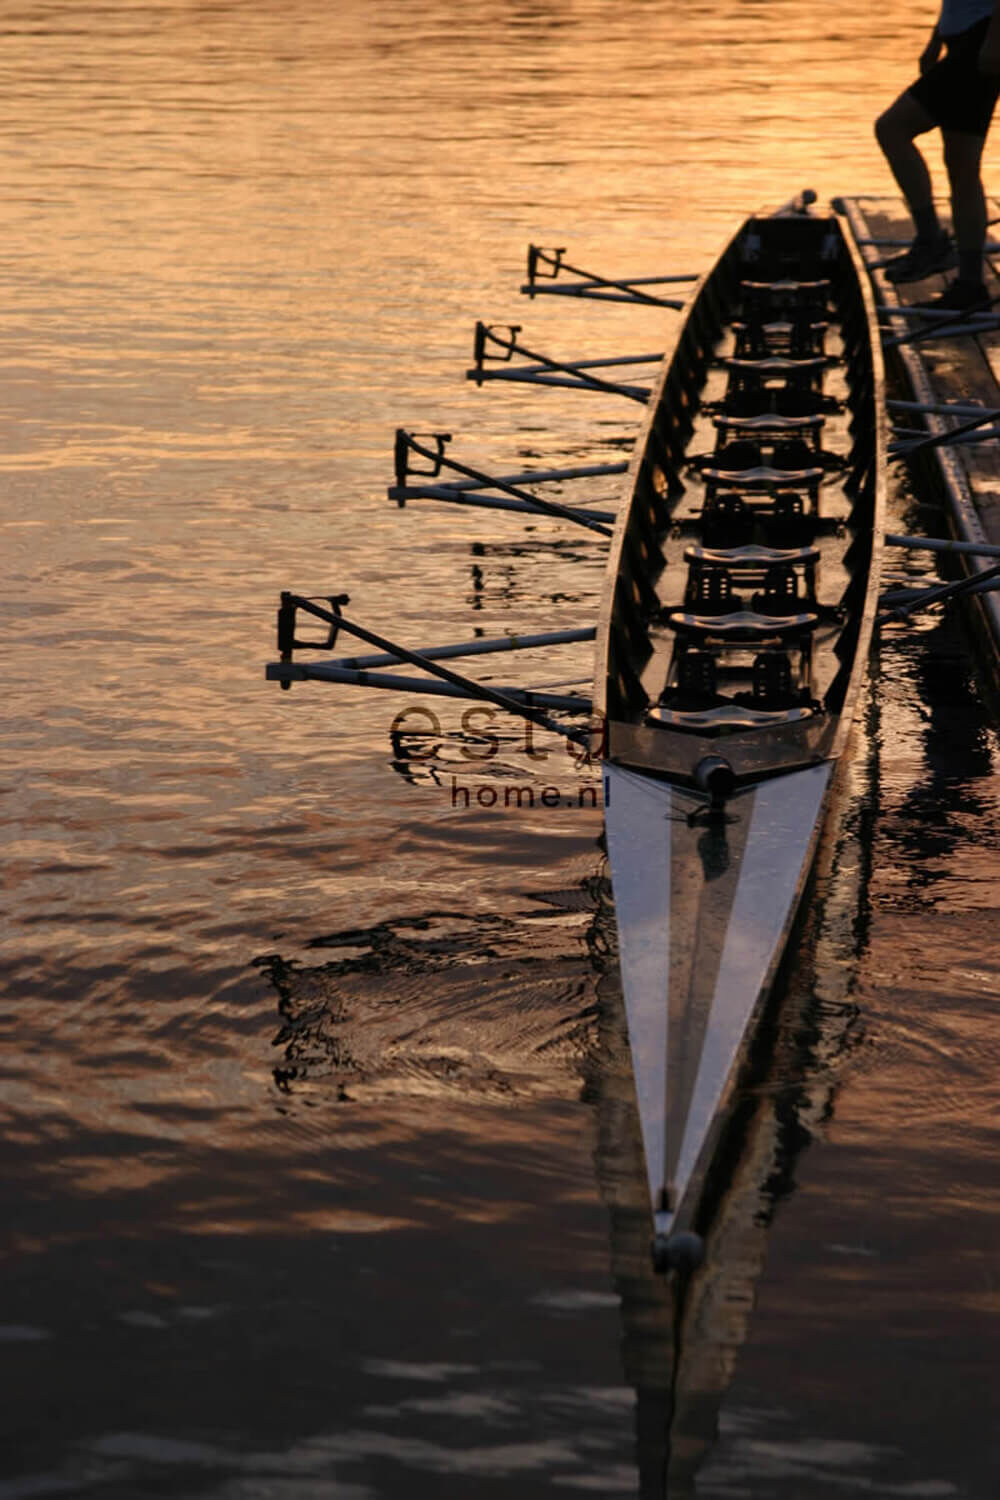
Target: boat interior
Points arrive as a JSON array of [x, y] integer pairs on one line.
[[742, 568]]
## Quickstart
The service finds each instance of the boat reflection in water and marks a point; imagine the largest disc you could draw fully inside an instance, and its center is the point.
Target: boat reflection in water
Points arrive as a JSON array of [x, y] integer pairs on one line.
[[464, 1042], [491, 1023], [682, 1335]]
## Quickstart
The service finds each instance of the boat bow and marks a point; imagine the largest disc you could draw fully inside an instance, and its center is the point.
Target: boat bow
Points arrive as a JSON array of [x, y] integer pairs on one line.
[[704, 907]]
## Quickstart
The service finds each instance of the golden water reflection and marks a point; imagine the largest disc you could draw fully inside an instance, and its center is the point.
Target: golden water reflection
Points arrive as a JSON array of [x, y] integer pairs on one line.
[[241, 244]]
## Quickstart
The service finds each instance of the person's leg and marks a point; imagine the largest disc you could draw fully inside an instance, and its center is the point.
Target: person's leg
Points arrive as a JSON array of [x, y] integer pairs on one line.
[[896, 131], [932, 249], [962, 157]]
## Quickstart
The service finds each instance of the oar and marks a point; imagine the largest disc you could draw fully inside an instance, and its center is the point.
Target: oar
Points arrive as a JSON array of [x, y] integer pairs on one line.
[[899, 596], [945, 408], [485, 332], [323, 671], [286, 642], [478, 647], [962, 324], [903, 446], [941, 544], [405, 441], [941, 439], [945, 592], [554, 258]]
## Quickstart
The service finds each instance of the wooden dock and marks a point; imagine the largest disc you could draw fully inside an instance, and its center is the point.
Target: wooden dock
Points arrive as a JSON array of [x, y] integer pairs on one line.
[[958, 368]]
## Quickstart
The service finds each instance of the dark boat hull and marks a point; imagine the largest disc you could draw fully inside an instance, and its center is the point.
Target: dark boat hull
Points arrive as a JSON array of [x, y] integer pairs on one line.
[[724, 709]]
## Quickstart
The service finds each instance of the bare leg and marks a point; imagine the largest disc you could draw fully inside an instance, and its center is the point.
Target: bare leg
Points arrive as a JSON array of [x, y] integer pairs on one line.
[[962, 156], [895, 131]]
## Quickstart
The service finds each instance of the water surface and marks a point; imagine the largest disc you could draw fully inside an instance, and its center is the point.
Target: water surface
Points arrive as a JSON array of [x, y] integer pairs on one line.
[[319, 1166]]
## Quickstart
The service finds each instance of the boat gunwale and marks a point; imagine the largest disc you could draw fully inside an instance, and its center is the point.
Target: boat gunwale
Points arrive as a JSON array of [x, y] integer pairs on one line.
[[631, 482], [880, 436]]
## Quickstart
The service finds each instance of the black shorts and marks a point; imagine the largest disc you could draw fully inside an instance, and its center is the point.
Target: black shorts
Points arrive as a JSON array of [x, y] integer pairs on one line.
[[954, 92]]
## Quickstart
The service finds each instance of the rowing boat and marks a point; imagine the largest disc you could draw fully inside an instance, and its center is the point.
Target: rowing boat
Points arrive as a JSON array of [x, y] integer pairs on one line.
[[740, 598], [739, 603]]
